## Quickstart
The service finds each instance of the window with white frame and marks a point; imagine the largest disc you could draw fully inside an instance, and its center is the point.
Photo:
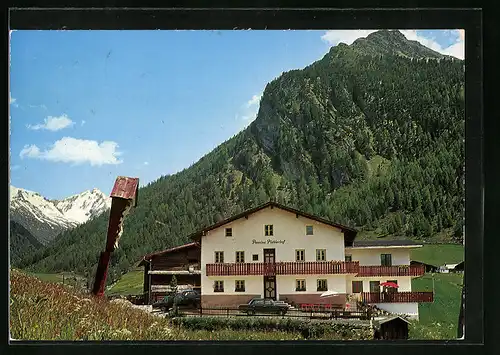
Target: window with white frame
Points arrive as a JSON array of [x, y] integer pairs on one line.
[[300, 285], [309, 230], [322, 285], [268, 230], [300, 255], [240, 257], [218, 286], [219, 257], [320, 254], [239, 286], [229, 232]]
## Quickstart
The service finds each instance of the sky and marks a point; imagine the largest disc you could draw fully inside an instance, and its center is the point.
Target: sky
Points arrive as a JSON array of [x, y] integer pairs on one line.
[[88, 106]]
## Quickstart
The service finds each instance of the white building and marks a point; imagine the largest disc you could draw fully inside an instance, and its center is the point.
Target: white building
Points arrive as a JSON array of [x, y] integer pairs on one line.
[[277, 252]]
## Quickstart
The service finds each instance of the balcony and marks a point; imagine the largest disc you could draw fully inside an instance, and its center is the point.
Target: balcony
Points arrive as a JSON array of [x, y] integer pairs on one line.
[[283, 268], [399, 270], [397, 297]]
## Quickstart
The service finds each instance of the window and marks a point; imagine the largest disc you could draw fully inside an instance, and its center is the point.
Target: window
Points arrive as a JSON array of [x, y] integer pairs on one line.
[[320, 254], [348, 258], [392, 289], [357, 286], [300, 255], [375, 286], [240, 256], [239, 286], [268, 230], [219, 256], [386, 259], [300, 285], [229, 232], [255, 257], [219, 286], [309, 230], [322, 285]]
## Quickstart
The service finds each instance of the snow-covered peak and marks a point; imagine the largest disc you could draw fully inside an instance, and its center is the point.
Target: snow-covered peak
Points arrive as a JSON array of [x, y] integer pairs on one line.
[[45, 218], [84, 206]]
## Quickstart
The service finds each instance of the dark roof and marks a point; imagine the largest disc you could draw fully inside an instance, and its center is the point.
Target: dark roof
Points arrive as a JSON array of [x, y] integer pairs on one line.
[[384, 243], [170, 250], [390, 319], [421, 262], [350, 233]]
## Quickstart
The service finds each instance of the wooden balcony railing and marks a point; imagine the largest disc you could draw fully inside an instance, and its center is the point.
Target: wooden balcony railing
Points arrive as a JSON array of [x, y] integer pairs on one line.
[[283, 268], [398, 270], [397, 297]]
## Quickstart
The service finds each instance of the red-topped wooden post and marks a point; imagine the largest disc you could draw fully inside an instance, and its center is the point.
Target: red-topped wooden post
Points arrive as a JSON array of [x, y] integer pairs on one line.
[[123, 198]]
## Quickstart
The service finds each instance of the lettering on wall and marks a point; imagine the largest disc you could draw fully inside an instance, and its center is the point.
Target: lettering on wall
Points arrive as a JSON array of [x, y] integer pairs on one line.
[[269, 241]]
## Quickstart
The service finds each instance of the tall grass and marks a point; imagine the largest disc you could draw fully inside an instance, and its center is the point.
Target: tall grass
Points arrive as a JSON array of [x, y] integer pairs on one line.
[[41, 310]]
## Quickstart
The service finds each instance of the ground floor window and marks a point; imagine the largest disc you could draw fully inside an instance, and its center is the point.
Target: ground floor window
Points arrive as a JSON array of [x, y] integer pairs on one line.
[[300, 285], [239, 286], [392, 289], [357, 286], [322, 285], [219, 286], [374, 286]]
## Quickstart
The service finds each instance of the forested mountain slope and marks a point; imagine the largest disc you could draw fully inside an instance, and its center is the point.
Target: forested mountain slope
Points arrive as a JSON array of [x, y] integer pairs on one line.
[[371, 135]]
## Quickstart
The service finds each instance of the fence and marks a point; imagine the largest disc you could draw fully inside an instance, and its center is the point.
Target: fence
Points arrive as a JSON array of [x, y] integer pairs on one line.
[[397, 297], [306, 312]]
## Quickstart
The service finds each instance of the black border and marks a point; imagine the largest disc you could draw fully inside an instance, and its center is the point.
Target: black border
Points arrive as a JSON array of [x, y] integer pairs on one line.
[[470, 20]]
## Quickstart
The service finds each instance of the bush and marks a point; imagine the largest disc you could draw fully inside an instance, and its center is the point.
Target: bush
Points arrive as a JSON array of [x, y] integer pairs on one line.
[[308, 329]]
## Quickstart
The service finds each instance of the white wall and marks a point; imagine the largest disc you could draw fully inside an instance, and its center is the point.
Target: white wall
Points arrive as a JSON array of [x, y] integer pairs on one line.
[[411, 309], [371, 257], [253, 285], [286, 227], [286, 283], [404, 282]]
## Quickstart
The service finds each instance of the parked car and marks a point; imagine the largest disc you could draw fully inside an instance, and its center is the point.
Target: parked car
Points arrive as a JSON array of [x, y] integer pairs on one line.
[[261, 305], [188, 298]]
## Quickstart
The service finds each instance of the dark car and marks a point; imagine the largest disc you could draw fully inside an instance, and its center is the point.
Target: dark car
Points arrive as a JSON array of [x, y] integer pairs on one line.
[[188, 298], [261, 305]]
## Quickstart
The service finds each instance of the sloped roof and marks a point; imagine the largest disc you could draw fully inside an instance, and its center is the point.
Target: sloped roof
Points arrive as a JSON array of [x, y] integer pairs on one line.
[[389, 319], [170, 250], [384, 243], [350, 233]]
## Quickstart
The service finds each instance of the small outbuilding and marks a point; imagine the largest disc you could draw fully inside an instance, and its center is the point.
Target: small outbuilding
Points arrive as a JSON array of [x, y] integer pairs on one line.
[[428, 267], [391, 328]]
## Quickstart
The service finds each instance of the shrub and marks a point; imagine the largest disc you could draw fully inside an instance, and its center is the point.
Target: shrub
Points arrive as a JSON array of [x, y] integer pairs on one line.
[[308, 329]]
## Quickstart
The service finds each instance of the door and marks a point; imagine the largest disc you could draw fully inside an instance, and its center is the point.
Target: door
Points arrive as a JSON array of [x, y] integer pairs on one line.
[[270, 287], [269, 262], [269, 273]]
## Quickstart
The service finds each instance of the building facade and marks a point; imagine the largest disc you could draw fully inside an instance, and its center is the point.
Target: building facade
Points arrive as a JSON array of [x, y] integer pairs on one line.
[[183, 262], [277, 252]]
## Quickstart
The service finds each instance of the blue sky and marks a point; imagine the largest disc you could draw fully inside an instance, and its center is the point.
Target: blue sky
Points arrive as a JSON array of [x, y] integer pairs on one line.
[[87, 106]]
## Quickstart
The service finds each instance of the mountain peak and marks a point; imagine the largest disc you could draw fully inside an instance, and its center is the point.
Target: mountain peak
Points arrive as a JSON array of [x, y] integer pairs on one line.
[[393, 42], [46, 218]]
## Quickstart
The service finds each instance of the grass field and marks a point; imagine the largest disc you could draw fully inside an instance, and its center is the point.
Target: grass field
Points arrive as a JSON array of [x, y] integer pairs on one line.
[[438, 320], [439, 254], [129, 284], [67, 278]]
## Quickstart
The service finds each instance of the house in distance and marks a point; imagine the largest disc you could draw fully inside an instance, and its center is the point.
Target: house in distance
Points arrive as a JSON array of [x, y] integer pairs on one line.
[[277, 252]]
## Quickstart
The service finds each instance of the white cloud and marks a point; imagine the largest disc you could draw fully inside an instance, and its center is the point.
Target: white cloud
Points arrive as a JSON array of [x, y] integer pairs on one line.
[[76, 151], [254, 100], [146, 163], [12, 101], [53, 123], [334, 37], [457, 49], [30, 151], [249, 111], [83, 122]]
